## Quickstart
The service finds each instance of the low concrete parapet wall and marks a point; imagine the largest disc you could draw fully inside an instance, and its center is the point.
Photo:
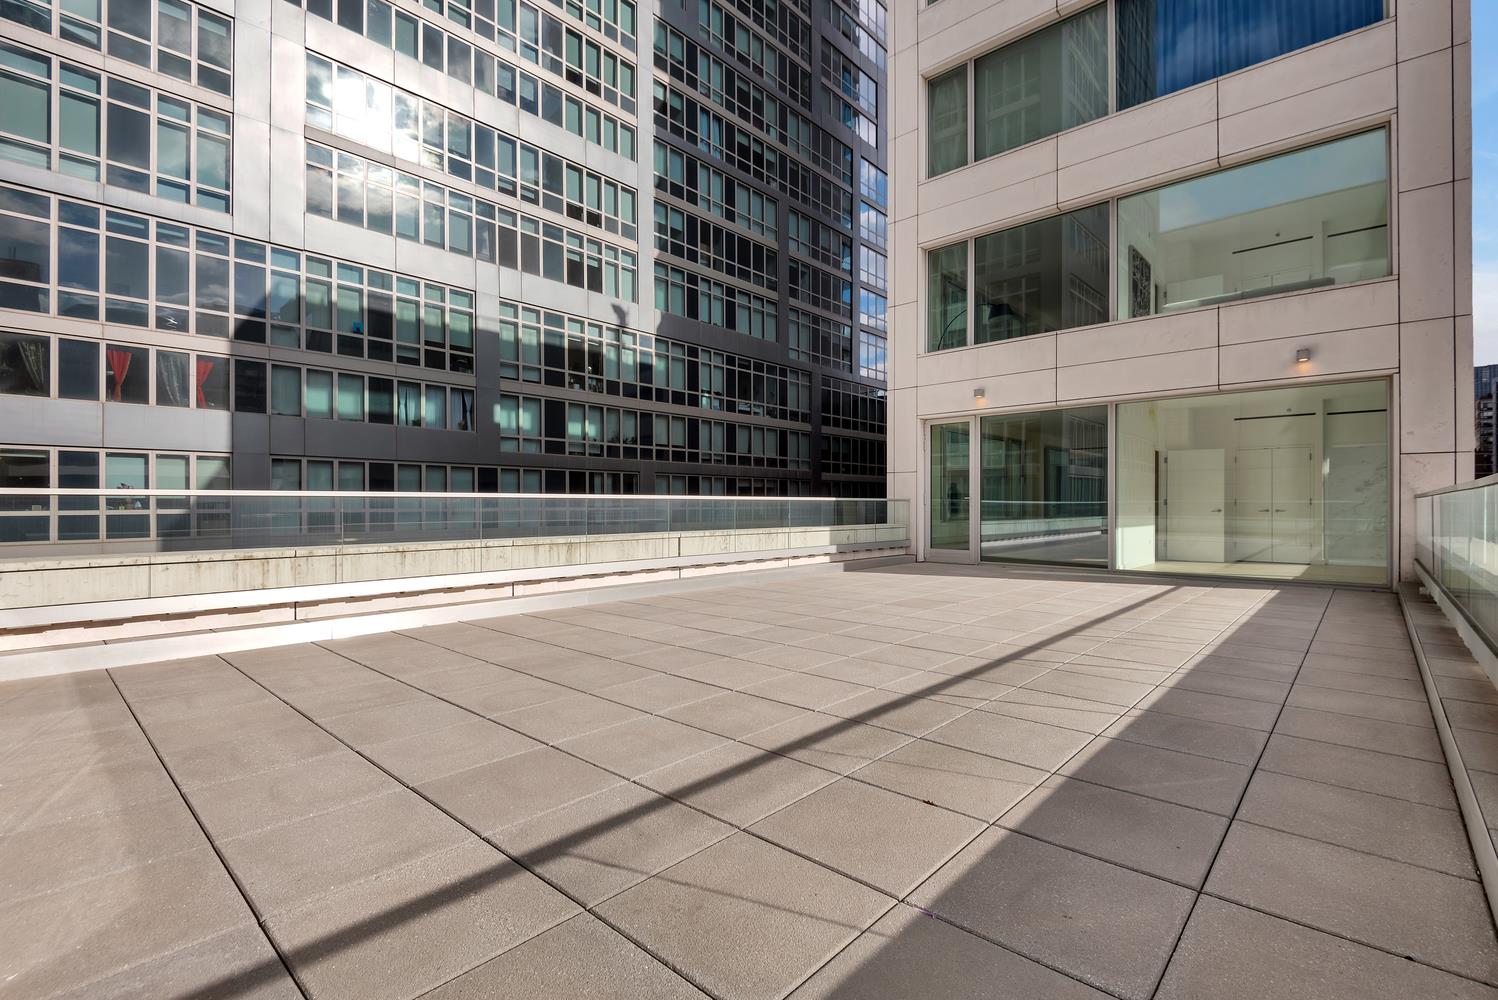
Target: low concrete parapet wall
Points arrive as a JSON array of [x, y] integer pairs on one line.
[[73, 581], [100, 611]]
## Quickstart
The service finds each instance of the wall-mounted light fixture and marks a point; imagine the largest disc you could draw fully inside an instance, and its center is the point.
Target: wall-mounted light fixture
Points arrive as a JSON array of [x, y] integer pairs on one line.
[[978, 395], [1302, 355]]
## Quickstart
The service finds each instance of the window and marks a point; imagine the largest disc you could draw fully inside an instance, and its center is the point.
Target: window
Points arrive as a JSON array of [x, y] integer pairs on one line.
[[538, 41], [128, 374], [286, 390], [872, 355], [697, 297], [25, 365], [24, 519], [873, 226], [1041, 277], [108, 129], [77, 369], [873, 183], [216, 285], [946, 122], [132, 27], [689, 179], [555, 427], [559, 350], [946, 297], [1042, 84], [820, 340], [1307, 219], [431, 214], [343, 100], [171, 379], [1165, 46]]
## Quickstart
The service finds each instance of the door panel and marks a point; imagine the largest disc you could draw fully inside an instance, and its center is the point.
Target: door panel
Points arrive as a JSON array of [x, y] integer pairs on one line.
[[1294, 506], [1253, 505], [1195, 488], [949, 500]]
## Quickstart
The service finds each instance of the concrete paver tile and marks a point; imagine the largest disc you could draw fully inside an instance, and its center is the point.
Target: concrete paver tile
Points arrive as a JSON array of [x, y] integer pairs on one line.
[[1437, 919], [515, 788], [969, 783], [1186, 779], [1178, 732], [745, 918], [1232, 953], [580, 958], [1159, 838], [1405, 778], [416, 927], [907, 954], [432, 754], [1031, 743], [738, 784], [610, 841], [886, 840], [1105, 925], [1375, 824]]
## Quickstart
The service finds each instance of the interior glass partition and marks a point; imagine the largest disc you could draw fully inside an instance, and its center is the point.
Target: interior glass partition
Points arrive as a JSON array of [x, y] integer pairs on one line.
[[1044, 486], [1282, 483]]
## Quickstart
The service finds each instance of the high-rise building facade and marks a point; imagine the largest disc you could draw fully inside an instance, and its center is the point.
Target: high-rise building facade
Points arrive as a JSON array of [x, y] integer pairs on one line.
[[1485, 420], [452, 245], [1180, 287]]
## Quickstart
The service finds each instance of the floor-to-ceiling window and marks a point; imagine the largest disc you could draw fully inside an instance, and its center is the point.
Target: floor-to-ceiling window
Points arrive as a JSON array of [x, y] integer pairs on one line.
[[1043, 481], [1281, 483]]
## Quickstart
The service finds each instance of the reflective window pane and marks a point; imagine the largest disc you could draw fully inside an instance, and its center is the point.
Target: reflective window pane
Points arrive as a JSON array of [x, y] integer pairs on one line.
[[946, 297], [1165, 46], [1043, 482], [946, 122], [1047, 82], [1041, 277], [25, 365], [1307, 219]]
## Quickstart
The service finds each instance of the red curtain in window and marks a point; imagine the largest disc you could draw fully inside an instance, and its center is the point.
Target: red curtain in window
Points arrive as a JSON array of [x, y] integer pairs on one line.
[[205, 369], [119, 363]]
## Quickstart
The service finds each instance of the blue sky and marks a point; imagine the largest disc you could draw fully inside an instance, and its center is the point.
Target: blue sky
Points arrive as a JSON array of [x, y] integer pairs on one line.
[[1485, 181]]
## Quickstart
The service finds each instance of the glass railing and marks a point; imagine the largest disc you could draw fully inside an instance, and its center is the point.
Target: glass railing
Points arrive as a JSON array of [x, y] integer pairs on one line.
[[1456, 544], [78, 522]]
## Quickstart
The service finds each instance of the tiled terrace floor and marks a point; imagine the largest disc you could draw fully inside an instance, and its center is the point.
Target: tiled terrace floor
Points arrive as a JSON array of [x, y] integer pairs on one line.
[[914, 782]]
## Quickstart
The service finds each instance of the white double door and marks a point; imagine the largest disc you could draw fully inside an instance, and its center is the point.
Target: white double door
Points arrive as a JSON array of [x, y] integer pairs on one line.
[[1273, 510], [1244, 505]]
